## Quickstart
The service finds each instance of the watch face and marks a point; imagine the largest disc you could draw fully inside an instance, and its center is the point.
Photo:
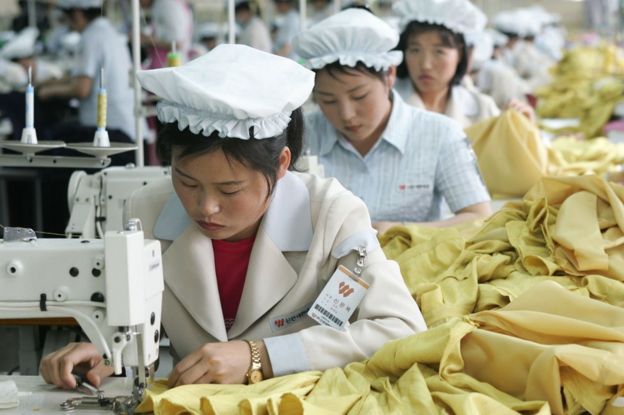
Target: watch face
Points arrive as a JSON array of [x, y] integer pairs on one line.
[[255, 376]]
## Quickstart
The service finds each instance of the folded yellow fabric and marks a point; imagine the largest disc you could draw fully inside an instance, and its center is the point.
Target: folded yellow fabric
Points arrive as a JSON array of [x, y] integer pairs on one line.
[[510, 153]]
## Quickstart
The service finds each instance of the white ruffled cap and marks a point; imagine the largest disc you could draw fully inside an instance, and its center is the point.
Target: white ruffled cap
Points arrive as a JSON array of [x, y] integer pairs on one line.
[[209, 29], [520, 22], [79, 4], [22, 45], [460, 16], [349, 37], [498, 38], [230, 90], [482, 47]]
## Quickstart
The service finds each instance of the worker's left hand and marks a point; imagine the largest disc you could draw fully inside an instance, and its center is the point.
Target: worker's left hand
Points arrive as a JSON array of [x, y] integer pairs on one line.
[[213, 363], [523, 108]]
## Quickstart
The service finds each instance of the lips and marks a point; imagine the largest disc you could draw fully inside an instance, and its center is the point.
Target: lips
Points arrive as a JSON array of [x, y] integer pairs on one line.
[[209, 226], [353, 128]]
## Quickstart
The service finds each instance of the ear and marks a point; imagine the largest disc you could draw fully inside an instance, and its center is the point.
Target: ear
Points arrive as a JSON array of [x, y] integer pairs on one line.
[[391, 77], [284, 162]]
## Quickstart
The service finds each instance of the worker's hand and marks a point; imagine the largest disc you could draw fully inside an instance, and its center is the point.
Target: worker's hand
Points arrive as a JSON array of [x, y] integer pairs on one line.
[[82, 358], [523, 108], [213, 363]]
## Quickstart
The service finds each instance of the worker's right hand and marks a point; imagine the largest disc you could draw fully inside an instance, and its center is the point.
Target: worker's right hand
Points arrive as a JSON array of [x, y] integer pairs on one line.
[[81, 358]]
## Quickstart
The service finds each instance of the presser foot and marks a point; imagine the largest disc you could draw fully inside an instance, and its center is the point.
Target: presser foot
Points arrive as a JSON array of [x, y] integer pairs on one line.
[[117, 404]]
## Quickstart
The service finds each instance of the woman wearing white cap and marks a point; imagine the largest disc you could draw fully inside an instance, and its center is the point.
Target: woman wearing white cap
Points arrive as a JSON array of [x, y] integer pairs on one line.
[[436, 58], [400, 160], [248, 244]]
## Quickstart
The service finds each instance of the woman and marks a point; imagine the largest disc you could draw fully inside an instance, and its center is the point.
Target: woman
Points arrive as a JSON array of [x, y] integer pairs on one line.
[[400, 160], [436, 59], [249, 245]]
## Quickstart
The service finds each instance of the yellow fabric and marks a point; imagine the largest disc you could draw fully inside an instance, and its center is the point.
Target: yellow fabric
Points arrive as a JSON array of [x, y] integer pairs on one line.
[[585, 85], [525, 315], [512, 157], [510, 153], [552, 340]]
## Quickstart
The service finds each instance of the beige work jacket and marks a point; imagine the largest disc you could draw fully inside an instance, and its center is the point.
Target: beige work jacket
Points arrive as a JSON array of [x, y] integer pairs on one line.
[[311, 226]]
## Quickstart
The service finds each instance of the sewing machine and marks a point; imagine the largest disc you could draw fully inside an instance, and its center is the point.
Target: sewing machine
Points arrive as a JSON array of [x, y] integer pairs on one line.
[[112, 287], [97, 201]]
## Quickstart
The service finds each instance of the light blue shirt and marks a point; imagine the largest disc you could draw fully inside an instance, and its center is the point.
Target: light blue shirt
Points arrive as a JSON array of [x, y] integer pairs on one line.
[[420, 159]]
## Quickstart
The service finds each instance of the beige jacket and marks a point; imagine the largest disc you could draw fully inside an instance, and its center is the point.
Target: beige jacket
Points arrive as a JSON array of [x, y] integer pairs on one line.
[[466, 106], [312, 225]]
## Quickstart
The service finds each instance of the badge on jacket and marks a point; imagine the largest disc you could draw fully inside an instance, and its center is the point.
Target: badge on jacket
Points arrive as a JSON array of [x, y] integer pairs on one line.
[[340, 297]]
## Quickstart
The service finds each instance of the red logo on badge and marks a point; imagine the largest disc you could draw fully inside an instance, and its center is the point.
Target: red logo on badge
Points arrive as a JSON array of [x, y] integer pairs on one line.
[[279, 322], [344, 289]]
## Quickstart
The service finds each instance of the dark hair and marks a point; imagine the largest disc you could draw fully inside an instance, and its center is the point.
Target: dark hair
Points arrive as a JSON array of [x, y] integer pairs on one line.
[[449, 39], [243, 5], [90, 13], [338, 68], [257, 154], [357, 5]]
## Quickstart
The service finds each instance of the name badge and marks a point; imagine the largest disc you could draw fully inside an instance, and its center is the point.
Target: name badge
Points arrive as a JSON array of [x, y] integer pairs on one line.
[[340, 297]]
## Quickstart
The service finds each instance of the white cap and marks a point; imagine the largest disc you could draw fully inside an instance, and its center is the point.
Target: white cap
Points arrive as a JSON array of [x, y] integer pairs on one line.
[[79, 4], [209, 29], [498, 38], [460, 16], [520, 22], [349, 37], [22, 45], [482, 47], [236, 90]]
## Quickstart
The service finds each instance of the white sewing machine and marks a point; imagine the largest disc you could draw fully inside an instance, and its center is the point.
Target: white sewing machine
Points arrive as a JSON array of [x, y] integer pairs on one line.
[[97, 201], [112, 287]]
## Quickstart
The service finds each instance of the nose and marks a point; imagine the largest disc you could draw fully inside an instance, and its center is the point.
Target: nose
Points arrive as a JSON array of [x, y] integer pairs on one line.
[[346, 111], [208, 205], [426, 61]]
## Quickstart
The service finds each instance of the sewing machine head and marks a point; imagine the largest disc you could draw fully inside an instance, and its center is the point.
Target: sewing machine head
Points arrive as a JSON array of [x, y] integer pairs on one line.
[[112, 287]]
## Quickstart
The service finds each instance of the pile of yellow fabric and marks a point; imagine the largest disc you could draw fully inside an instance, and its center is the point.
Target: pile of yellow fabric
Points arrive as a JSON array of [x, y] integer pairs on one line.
[[587, 84], [512, 157], [569, 156], [525, 316]]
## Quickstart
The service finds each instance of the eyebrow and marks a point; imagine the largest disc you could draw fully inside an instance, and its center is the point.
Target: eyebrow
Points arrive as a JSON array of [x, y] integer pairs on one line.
[[436, 45], [348, 92], [226, 183]]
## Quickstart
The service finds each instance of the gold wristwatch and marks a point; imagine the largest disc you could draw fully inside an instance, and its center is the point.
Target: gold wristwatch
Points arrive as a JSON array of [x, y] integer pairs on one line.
[[254, 374]]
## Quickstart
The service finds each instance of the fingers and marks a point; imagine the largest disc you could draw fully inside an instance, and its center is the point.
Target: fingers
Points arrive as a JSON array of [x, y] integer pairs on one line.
[[57, 367], [213, 363], [200, 371], [99, 371], [184, 365]]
